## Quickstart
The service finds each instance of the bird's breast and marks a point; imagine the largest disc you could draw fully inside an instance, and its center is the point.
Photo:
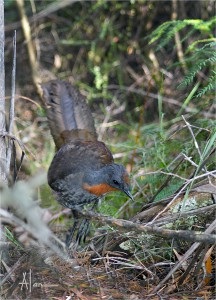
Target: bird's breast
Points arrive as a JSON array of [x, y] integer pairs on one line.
[[98, 189]]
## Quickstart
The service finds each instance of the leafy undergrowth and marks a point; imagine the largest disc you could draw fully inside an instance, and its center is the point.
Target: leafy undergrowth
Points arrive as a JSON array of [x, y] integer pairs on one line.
[[119, 262], [154, 106], [173, 183]]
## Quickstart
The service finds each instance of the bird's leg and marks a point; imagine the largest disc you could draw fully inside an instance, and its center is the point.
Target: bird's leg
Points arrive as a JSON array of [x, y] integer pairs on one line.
[[83, 229], [81, 225], [71, 231]]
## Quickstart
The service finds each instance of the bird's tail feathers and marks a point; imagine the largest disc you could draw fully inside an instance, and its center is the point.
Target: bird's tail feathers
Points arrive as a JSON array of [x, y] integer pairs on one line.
[[68, 114]]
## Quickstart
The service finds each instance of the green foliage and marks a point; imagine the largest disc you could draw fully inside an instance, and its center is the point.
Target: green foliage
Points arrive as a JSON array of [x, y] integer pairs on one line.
[[102, 47], [204, 57], [9, 235], [197, 58], [165, 32]]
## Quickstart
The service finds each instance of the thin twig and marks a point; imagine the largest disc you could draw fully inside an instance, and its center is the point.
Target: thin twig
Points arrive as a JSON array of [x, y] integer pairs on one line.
[[13, 220], [193, 137], [187, 183], [30, 46], [3, 175], [177, 37], [176, 216], [24, 98], [211, 173], [11, 112], [12, 137], [13, 269], [151, 95], [52, 8], [13, 87], [184, 258]]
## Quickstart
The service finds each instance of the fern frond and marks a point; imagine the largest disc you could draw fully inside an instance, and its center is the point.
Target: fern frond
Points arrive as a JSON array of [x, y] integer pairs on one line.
[[200, 57], [211, 86], [209, 43], [166, 31], [188, 79], [201, 25]]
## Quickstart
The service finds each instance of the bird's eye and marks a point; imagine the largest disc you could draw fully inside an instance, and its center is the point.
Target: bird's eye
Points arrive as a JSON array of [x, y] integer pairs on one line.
[[115, 182]]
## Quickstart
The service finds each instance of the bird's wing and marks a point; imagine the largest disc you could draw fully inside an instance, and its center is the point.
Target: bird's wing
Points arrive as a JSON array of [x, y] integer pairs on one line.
[[79, 157]]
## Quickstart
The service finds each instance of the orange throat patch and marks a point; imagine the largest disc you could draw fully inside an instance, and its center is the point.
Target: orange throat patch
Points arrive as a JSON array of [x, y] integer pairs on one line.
[[99, 189]]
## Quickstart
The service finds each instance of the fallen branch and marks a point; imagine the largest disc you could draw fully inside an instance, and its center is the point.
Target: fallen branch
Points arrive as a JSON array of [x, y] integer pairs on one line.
[[192, 236], [175, 216]]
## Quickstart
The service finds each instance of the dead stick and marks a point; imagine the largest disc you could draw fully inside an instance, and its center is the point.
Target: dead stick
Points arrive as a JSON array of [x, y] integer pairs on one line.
[[192, 236]]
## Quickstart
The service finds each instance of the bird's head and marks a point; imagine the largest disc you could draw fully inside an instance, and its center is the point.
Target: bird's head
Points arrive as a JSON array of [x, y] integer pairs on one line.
[[111, 177], [118, 178]]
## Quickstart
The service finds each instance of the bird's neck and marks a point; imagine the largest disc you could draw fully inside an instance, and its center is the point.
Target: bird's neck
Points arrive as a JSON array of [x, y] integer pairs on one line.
[[96, 177]]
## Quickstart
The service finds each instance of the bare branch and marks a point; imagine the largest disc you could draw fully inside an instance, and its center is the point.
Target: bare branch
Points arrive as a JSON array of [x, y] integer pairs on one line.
[[125, 225]]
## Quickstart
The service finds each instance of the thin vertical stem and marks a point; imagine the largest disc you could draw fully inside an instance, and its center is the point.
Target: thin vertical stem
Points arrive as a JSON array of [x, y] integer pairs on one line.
[[11, 112], [2, 97]]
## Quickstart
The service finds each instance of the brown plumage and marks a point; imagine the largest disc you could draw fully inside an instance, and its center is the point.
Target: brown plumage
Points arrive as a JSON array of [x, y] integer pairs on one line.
[[83, 168]]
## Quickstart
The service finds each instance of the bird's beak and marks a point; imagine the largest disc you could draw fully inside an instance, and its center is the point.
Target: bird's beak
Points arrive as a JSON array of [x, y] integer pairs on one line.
[[128, 193]]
